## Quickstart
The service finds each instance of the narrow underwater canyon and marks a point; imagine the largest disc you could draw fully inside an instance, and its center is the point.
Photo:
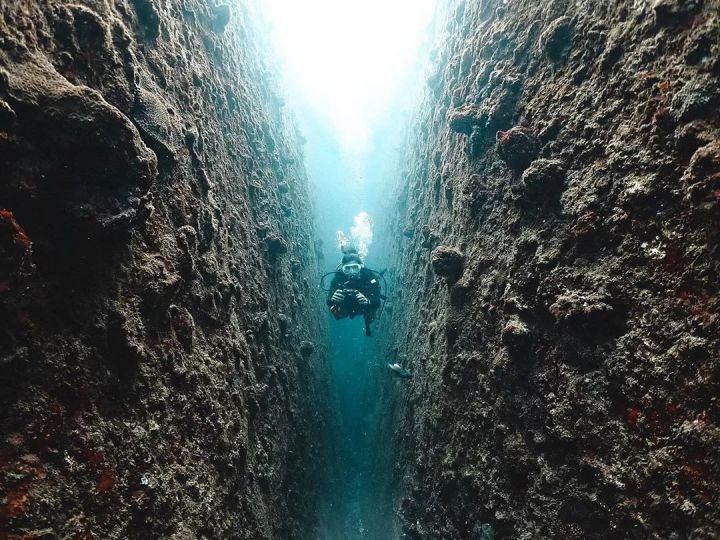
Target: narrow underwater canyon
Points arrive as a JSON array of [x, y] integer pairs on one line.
[[167, 364]]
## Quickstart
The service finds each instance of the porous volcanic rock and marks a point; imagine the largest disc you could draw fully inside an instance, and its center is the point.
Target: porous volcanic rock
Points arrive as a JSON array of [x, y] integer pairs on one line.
[[517, 147], [566, 386], [147, 385], [307, 348], [447, 262], [542, 180]]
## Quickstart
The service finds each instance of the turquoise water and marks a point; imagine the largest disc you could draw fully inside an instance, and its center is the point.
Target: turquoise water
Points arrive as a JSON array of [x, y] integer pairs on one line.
[[354, 358], [369, 63], [342, 188]]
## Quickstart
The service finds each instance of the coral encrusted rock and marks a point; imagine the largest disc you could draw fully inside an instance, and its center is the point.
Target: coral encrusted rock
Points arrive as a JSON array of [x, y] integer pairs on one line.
[[518, 147], [447, 262]]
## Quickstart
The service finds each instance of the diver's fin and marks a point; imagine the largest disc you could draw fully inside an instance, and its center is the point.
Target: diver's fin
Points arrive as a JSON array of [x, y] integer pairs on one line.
[[399, 371]]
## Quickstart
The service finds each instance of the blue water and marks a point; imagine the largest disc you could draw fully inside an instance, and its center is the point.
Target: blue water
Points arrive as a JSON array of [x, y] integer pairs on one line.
[[357, 362], [343, 184], [354, 360]]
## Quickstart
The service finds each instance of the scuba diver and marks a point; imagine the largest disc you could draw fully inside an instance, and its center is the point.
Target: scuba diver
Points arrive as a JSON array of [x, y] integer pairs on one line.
[[354, 290]]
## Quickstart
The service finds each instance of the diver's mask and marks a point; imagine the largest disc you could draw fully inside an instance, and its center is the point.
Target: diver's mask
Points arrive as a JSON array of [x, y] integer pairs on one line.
[[352, 269]]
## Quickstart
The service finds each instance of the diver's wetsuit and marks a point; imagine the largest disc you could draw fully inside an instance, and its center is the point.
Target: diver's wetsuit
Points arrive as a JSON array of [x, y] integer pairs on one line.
[[367, 284]]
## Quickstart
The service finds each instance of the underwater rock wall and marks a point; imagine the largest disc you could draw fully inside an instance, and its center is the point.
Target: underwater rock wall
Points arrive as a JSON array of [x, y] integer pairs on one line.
[[158, 377], [556, 288]]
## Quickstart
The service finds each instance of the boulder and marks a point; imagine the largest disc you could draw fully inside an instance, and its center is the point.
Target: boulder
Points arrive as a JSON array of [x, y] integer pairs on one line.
[[464, 119], [556, 40], [447, 262], [702, 177], [221, 18], [307, 348], [518, 147], [276, 244], [668, 12], [90, 173], [543, 179]]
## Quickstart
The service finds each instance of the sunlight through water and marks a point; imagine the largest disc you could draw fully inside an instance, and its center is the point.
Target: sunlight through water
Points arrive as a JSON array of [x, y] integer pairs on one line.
[[352, 74], [347, 60]]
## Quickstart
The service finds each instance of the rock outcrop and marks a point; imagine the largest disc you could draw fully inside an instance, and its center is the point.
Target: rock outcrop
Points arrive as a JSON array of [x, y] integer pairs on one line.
[[566, 385], [158, 377]]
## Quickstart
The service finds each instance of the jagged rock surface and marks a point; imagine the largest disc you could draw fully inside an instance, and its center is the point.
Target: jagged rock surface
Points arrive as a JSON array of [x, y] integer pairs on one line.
[[156, 263], [566, 385]]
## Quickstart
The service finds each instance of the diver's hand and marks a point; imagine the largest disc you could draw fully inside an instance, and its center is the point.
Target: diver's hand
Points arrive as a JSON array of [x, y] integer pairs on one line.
[[362, 299], [337, 297]]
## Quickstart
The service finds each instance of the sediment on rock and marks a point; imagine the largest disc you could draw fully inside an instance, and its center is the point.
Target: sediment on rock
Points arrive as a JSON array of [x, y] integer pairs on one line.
[[565, 386], [154, 221]]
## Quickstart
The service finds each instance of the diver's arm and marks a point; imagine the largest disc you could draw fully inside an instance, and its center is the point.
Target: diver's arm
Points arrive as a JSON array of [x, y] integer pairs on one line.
[[334, 288], [337, 298]]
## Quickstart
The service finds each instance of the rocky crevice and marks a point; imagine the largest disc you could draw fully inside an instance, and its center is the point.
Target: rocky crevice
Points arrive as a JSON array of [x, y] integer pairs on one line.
[[156, 279], [555, 232]]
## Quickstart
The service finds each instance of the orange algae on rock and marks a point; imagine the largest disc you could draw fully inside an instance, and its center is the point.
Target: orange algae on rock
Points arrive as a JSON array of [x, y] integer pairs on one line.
[[19, 235], [15, 501], [632, 416], [107, 480]]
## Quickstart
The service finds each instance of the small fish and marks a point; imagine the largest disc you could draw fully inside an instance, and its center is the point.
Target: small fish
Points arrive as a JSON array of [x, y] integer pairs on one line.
[[400, 371]]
